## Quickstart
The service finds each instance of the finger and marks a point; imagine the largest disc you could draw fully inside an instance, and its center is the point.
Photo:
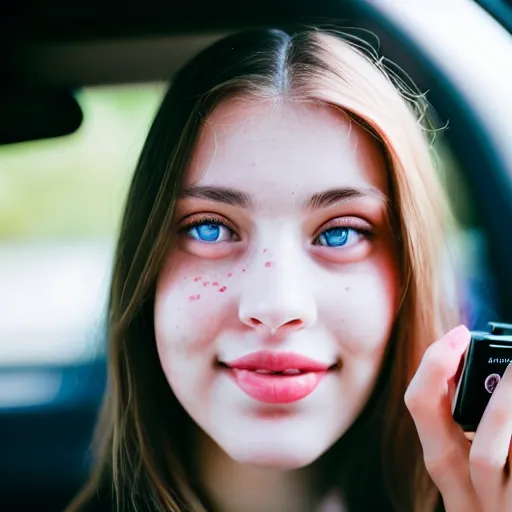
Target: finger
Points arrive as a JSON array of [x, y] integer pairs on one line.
[[490, 452], [508, 465], [452, 385], [445, 449]]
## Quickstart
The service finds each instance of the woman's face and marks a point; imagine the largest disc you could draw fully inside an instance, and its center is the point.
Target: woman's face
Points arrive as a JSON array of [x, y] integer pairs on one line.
[[276, 302]]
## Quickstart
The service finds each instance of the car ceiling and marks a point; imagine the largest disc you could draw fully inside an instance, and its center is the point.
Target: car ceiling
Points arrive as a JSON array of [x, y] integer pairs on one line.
[[108, 43], [95, 41]]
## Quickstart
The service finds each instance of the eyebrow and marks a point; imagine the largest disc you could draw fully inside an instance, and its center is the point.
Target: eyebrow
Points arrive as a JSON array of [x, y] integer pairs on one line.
[[342, 195], [223, 195], [320, 200]]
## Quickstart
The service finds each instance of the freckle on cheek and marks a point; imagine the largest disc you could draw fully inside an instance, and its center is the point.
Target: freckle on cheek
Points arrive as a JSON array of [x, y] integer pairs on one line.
[[264, 250], [243, 270], [268, 264], [206, 283], [223, 289], [215, 283], [230, 274], [194, 297], [197, 278], [347, 288]]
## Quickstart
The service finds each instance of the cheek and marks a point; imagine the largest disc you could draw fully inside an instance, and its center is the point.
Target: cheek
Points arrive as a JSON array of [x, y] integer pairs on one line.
[[362, 323], [182, 348], [185, 320], [367, 301], [191, 308], [190, 304]]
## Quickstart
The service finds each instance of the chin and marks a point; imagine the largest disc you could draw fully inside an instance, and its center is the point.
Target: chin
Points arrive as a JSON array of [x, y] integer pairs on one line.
[[270, 454], [284, 442]]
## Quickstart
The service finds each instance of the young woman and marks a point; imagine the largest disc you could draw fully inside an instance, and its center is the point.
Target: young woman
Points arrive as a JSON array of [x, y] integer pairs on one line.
[[279, 287]]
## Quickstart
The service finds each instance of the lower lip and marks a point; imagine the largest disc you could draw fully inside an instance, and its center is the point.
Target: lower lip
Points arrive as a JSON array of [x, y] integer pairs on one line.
[[277, 389]]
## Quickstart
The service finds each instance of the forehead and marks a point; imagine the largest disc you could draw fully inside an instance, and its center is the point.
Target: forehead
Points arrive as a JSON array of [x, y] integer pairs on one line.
[[288, 146]]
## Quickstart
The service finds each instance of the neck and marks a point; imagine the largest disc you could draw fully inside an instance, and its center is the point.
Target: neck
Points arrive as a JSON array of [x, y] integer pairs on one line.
[[232, 487]]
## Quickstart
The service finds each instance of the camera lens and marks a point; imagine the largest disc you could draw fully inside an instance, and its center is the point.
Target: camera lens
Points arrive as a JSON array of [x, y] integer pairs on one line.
[[491, 382]]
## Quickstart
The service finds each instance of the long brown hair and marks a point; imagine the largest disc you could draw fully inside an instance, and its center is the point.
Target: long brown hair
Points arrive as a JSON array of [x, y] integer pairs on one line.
[[144, 458]]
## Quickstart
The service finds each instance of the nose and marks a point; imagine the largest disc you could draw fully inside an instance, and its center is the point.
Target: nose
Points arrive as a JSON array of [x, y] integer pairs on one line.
[[277, 299]]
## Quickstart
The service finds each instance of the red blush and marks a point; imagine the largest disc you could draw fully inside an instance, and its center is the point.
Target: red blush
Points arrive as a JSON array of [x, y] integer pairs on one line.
[[268, 264], [223, 289], [206, 283], [215, 283], [230, 274], [194, 297], [197, 278]]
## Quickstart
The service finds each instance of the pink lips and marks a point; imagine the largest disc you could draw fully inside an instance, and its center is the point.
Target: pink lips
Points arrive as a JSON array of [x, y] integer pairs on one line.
[[277, 377]]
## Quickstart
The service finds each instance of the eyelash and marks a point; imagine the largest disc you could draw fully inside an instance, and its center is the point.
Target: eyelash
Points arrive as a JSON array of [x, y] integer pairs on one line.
[[359, 226], [204, 220]]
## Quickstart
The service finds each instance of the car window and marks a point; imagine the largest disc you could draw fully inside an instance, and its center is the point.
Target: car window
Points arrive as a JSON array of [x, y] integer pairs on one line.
[[468, 247], [60, 207]]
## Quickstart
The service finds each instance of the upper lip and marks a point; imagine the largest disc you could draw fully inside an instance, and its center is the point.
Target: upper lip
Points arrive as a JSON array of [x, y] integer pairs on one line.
[[277, 362]]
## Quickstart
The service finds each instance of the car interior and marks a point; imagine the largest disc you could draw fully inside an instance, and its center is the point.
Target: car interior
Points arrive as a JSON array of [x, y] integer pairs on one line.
[[79, 76]]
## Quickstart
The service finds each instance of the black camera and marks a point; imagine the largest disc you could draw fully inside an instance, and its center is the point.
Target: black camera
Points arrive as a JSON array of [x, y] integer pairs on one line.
[[484, 363]]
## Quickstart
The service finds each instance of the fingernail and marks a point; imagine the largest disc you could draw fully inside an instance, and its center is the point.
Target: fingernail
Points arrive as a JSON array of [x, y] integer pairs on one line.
[[457, 337]]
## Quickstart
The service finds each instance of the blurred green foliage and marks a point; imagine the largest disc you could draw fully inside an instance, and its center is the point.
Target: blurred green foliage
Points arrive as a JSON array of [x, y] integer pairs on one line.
[[75, 186]]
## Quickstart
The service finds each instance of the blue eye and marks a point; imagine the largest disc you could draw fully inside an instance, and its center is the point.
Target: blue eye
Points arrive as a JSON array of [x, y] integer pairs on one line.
[[209, 232], [339, 237]]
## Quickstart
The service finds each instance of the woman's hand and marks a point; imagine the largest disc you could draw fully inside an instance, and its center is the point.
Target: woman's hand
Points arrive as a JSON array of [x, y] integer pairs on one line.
[[472, 477]]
